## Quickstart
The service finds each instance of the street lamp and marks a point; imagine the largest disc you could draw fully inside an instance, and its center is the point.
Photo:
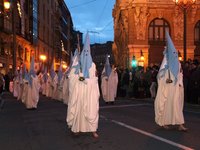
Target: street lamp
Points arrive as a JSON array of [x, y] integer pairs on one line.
[[184, 5], [8, 6], [43, 57], [141, 61], [134, 62], [64, 66], [142, 56]]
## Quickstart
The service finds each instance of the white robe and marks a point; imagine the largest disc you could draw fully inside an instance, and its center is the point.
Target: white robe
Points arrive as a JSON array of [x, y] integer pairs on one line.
[[59, 90], [109, 87], [31, 93], [54, 86], [83, 106], [169, 101], [49, 89], [43, 85], [25, 90], [66, 90], [11, 86]]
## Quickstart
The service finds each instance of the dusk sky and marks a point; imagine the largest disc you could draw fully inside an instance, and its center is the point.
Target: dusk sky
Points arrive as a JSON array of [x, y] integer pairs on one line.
[[94, 16]]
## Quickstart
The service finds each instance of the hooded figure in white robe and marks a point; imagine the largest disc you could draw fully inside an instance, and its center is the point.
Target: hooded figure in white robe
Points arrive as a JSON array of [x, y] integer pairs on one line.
[[109, 82], [49, 89], [66, 78], [65, 89], [170, 95], [44, 82], [59, 88], [83, 105], [53, 83], [25, 85], [31, 88]]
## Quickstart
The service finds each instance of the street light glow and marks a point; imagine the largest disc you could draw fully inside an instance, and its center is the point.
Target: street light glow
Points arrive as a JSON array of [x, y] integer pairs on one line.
[[142, 58], [64, 66], [7, 5], [43, 57]]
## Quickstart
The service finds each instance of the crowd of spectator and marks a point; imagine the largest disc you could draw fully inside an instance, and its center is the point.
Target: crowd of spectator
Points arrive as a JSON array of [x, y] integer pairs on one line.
[[140, 83]]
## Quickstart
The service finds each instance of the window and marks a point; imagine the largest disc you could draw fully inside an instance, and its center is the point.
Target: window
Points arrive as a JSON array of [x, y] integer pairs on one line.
[[157, 30]]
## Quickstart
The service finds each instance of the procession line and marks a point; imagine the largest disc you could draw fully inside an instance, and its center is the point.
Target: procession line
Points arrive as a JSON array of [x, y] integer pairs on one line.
[[149, 134], [121, 106]]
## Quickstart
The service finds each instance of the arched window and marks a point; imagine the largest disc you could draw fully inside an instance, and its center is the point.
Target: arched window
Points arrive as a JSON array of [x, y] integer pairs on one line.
[[197, 33], [157, 29]]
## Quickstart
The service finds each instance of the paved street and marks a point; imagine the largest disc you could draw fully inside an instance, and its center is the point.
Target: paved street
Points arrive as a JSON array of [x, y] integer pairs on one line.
[[127, 125]]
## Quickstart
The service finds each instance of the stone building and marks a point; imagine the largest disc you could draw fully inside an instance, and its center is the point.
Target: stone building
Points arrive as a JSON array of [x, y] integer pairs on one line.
[[140, 25], [34, 28], [99, 52]]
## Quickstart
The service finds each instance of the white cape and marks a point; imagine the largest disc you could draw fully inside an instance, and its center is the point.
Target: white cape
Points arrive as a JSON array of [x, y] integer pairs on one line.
[[66, 90], [83, 105], [30, 95], [169, 101], [109, 86]]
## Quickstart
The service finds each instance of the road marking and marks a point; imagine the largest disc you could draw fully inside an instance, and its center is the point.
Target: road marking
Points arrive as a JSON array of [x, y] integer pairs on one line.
[[121, 106], [149, 134]]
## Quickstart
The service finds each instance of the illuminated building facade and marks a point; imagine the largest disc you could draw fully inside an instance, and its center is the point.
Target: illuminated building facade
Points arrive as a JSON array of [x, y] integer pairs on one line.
[[39, 29], [140, 25]]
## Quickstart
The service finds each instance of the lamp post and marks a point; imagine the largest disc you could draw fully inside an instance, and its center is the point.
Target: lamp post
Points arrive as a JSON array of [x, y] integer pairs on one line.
[[9, 5], [184, 5]]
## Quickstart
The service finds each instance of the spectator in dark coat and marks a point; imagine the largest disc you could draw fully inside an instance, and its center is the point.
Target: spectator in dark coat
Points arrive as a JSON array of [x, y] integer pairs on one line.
[[7, 82], [194, 84]]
